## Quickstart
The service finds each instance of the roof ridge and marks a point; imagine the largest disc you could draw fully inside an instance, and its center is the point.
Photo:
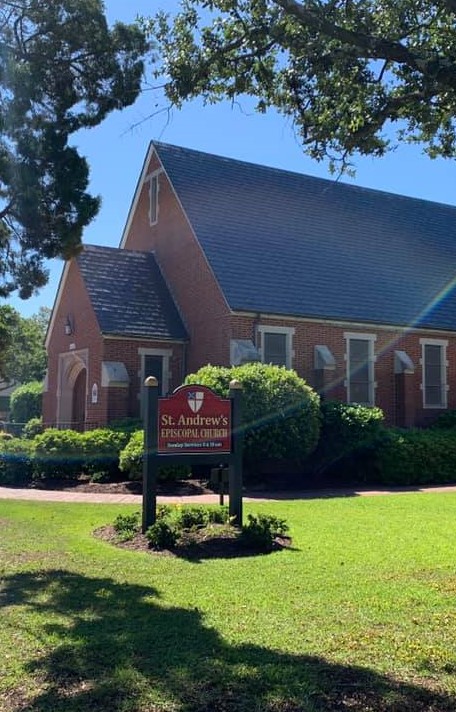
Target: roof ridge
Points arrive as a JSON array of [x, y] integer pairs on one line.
[[283, 171], [90, 247]]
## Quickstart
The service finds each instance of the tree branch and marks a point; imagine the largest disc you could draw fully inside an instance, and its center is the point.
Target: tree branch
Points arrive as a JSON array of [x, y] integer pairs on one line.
[[375, 47], [6, 210], [389, 111]]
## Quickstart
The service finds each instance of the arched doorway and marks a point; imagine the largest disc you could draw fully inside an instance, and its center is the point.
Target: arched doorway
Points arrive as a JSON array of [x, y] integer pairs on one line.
[[79, 400], [72, 395]]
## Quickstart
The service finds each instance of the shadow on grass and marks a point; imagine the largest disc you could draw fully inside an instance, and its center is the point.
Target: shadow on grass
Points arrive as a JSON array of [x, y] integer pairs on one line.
[[328, 492], [222, 548], [117, 650]]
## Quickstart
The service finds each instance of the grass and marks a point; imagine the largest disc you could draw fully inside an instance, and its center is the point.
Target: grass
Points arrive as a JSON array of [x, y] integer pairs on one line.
[[359, 616]]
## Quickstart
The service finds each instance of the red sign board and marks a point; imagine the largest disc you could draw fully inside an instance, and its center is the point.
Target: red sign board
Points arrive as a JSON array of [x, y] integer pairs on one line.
[[194, 420]]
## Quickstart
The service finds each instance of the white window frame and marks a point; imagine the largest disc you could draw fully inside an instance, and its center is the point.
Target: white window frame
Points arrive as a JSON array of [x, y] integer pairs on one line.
[[166, 355], [154, 189], [443, 343], [289, 332], [371, 339]]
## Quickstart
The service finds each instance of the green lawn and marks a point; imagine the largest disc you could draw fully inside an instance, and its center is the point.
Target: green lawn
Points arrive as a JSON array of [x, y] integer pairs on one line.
[[360, 616]]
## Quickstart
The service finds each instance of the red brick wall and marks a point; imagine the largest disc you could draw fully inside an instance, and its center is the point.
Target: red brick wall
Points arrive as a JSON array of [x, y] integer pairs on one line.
[[74, 301], [113, 402], [309, 334], [191, 282], [127, 351]]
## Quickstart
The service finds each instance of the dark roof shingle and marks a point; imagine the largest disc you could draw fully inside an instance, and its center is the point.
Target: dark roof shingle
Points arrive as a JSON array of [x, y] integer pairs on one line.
[[128, 293], [290, 244]]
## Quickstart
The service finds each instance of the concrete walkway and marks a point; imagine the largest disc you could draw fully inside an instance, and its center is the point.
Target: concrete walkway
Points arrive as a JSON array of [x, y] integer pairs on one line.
[[109, 498]]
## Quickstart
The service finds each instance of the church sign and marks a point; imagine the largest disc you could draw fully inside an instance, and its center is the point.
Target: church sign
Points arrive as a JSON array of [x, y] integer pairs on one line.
[[194, 420], [192, 425]]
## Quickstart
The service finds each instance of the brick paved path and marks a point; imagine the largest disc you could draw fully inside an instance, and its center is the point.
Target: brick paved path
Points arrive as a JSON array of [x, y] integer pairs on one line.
[[109, 498]]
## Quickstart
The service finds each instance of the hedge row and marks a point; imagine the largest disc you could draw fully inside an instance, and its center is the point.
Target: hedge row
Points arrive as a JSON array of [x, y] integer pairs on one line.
[[345, 430], [357, 448], [387, 456], [415, 457], [390, 457], [100, 454], [282, 420], [61, 453]]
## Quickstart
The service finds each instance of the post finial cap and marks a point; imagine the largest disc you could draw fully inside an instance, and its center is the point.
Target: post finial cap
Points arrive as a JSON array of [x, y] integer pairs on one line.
[[235, 385]]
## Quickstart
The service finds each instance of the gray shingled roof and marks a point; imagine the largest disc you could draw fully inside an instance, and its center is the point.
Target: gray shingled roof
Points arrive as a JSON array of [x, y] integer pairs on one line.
[[289, 244], [128, 293]]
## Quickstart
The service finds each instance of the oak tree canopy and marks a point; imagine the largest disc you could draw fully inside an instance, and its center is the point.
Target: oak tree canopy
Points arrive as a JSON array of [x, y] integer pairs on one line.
[[354, 76]]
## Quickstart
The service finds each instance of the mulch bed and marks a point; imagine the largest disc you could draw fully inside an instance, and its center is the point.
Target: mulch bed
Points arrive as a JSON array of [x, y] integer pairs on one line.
[[178, 488], [197, 544]]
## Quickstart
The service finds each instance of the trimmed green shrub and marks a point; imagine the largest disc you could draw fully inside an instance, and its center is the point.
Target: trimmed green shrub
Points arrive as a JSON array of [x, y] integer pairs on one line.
[[59, 453], [126, 526], [184, 525], [131, 456], [218, 514], [16, 461], [26, 402], [163, 511], [69, 453], [280, 412], [32, 428], [194, 517], [446, 421], [162, 535], [347, 431], [100, 477], [416, 457], [131, 462], [261, 530], [190, 517], [126, 425], [102, 448], [174, 523]]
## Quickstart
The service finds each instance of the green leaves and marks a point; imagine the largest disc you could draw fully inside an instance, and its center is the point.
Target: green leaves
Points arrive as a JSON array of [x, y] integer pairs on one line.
[[346, 74], [61, 69], [26, 402], [280, 411], [22, 352]]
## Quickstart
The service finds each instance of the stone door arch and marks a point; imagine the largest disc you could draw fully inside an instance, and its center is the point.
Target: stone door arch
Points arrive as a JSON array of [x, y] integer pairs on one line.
[[72, 394]]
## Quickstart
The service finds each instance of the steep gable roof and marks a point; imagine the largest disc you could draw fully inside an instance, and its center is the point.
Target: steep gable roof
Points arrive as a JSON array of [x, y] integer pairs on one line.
[[289, 244], [128, 293]]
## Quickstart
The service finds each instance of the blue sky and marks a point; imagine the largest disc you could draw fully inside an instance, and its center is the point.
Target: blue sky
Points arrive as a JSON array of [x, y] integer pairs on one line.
[[115, 151]]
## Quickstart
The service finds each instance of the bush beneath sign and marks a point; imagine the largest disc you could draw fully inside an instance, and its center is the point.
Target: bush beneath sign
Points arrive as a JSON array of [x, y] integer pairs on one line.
[[281, 413], [199, 532], [131, 462]]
